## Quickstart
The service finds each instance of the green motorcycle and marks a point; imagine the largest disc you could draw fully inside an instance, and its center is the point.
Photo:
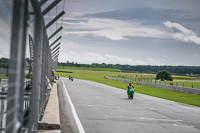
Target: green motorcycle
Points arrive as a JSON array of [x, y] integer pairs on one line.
[[131, 93]]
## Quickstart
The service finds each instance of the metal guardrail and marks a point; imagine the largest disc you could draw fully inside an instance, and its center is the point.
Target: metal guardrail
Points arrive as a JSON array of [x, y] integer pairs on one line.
[[3, 103], [26, 104], [172, 88], [3, 97]]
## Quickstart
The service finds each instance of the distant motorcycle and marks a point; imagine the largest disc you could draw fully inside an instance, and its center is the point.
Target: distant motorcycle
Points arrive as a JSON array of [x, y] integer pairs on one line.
[[71, 78], [131, 93]]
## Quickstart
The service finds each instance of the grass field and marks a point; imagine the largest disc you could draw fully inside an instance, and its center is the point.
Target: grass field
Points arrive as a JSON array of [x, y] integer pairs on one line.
[[133, 75], [90, 68], [4, 76], [182, 81], [187, 83], [153, 76], [98, 76]]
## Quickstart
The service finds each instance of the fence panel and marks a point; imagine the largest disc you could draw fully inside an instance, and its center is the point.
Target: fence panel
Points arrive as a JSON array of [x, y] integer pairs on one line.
[[22, 101], [6, 13]]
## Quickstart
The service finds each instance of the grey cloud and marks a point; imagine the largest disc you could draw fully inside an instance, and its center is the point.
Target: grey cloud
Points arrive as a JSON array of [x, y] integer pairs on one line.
[[139, 48], [148, 15], [188, 18], [179, 32], [142, 13], [81, 29], [76, 21]]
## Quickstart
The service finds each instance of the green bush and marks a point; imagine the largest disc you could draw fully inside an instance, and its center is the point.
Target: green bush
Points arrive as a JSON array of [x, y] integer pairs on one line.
[[164, 75]]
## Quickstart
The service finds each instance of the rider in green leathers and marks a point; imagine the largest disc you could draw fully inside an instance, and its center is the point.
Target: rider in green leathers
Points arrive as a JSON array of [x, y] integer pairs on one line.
[[129, 87]]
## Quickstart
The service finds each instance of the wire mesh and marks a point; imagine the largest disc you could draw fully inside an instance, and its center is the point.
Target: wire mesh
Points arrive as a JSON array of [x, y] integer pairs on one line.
[[23, 97], [5, 31]]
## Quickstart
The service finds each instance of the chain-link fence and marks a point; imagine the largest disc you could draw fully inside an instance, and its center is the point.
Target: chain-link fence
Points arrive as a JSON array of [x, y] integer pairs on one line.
[[27, 79], [6, 7]]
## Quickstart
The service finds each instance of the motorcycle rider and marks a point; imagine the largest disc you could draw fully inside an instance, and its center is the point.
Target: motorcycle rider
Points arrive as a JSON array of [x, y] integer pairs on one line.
[[129, 87]]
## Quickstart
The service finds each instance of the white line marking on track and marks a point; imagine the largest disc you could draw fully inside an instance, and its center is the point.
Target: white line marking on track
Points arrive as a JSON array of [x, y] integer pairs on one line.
[[143, 118], [190, 126], [157, 119], [77, 120]]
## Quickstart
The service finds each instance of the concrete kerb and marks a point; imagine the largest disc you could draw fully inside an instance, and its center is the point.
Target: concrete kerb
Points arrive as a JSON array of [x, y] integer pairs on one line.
[[50, 122]]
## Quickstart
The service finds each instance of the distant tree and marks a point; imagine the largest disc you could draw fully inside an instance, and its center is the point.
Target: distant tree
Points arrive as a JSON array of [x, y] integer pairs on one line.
[[147, 71], [4, 60], [164, 75], [77, 65]]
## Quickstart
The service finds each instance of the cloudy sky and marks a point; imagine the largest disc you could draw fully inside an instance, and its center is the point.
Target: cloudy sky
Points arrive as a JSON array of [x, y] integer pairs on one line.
[[135, 32]]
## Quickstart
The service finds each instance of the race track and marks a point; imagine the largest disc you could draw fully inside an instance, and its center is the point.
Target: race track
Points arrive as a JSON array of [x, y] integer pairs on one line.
[[104, 109]]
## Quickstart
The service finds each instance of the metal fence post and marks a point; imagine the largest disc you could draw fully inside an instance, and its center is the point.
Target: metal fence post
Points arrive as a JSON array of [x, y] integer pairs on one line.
[[16, 68], [36, 80]]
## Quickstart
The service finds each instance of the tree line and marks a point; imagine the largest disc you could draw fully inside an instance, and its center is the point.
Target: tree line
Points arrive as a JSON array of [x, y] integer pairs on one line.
[[125, 68], [139, 68], [4, 62]]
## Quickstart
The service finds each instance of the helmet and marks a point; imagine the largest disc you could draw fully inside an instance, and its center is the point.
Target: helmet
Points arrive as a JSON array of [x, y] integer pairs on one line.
[[130, 84]]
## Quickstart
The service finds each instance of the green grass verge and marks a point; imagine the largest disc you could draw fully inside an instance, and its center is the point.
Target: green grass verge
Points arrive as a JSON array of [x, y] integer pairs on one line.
[[4, 76], [98, 76], [139, 75], [170, 95]]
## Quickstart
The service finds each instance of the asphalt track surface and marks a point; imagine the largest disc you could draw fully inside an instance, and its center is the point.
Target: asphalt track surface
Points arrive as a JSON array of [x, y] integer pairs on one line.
[[105, 109]]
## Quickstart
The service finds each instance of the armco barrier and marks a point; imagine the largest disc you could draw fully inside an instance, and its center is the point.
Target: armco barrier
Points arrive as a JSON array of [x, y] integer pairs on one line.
[[166, 87], [173, 88], [123, 80]]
